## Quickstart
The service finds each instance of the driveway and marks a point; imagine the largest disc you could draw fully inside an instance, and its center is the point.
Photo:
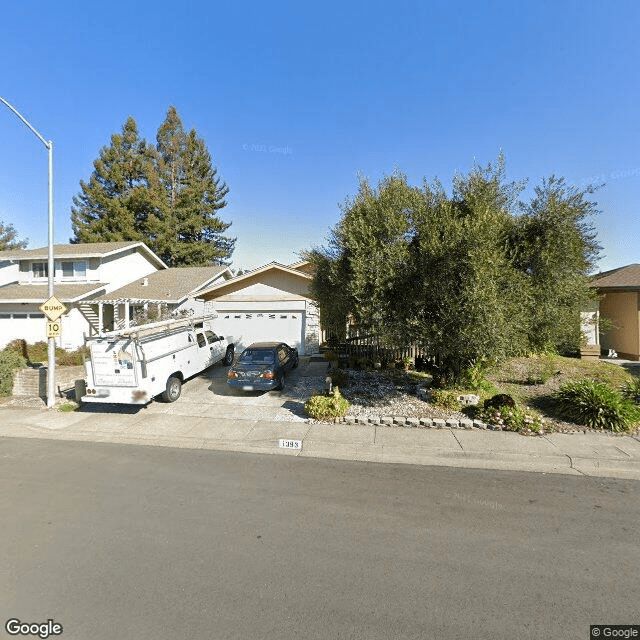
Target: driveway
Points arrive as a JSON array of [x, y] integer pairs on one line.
[[208, 394]]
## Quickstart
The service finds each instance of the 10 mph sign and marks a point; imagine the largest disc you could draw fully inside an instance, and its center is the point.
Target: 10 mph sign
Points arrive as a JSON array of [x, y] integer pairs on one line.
[[54, 328]]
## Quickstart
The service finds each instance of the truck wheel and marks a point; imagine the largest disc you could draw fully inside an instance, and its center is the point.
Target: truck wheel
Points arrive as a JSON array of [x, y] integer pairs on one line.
[[173, 390], [228, 357]]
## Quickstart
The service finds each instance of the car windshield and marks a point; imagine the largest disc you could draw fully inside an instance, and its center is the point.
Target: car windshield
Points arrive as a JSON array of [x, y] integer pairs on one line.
[[257, 356]]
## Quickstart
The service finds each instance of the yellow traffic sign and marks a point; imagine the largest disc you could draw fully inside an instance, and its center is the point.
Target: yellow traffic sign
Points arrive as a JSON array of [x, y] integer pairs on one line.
[[54, 329], [53, 308]]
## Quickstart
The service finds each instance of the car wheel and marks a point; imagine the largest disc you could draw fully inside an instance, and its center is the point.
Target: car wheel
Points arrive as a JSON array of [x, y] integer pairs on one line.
[[173, 390], [228, 357], [280, 386]]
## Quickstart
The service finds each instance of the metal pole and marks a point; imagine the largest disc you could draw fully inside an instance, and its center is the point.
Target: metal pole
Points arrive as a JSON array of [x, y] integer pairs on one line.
[[51, 353]]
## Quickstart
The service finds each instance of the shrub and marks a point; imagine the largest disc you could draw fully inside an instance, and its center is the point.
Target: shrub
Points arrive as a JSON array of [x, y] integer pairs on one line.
[[596, 405], [328, 407], [513, 419], [500, 401], [631, 390], [339, 378], [9, 362], [446, 399]]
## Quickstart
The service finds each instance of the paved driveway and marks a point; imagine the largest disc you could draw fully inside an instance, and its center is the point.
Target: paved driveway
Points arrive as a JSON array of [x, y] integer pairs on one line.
[[208, 394]]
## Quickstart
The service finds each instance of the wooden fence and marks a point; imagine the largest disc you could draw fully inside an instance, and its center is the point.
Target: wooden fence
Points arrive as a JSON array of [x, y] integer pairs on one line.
[[371, 348]]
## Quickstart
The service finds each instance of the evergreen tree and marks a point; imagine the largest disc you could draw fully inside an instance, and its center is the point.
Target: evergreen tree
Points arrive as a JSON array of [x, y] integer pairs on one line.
[[553, 244], [464, 274], [114, 205], [9, 238], [187, 195]]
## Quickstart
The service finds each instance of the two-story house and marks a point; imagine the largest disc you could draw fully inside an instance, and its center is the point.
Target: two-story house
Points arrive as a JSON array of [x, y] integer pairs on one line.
[[82, 273]]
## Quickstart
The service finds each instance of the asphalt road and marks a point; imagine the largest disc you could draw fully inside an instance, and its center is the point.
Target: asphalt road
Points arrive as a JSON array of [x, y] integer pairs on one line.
[[116, 541]]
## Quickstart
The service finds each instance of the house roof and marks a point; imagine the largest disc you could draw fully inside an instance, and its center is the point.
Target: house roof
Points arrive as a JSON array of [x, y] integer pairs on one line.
[[32, 293], [173, 284], [627, 277], [249, 275], [80, 250]]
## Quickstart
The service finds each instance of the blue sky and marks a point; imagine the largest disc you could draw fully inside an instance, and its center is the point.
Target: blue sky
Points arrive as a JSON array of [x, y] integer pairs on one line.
[[295, 100]]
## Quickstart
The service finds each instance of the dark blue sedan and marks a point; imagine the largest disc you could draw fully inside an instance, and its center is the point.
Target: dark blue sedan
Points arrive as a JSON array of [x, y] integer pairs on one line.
[[262, 366]]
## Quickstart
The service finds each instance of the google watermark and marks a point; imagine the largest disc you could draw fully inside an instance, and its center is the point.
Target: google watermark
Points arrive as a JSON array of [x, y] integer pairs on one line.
[[263, 148], [15, 627], [614, 631]]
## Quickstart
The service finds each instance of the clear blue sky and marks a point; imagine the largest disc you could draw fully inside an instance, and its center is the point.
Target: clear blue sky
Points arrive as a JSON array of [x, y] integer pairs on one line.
[[294, 101]]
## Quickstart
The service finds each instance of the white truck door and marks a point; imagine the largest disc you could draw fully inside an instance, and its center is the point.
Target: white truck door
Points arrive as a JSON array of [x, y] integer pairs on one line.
[[216, 347]]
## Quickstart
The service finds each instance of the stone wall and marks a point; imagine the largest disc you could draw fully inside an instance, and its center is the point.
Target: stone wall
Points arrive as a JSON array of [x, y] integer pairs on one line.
[[312, 328], [33, 382]]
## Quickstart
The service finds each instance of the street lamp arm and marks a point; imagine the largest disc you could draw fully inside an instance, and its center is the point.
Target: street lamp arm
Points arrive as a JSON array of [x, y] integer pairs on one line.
[[46, 143], [51, 351]]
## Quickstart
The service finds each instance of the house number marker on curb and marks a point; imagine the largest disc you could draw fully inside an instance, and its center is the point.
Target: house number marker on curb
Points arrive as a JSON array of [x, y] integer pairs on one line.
[[289, 444]]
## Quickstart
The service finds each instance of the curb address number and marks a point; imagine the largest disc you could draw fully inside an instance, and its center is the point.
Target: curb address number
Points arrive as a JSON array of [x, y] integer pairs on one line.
[[289, 444]]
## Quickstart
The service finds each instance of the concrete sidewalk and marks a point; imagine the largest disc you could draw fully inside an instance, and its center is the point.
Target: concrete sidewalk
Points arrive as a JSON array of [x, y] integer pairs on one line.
[[590, 454]]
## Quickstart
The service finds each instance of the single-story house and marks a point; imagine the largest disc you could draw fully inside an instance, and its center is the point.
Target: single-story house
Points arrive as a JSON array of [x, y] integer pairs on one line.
[[619, 293], [271, 302], [82, 273]]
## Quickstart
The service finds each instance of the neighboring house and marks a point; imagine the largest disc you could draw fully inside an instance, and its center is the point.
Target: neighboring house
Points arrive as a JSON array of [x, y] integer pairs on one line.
[[269, 303], [82, 273], [158, 295], [619, 293]]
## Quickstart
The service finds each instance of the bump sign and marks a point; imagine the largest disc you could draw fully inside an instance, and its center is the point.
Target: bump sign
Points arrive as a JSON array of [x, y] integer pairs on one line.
[[53, 308]]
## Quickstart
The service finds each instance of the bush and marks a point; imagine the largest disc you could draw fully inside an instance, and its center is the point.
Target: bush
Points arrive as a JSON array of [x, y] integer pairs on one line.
[[39, 352], [500, 401], [339, 378], [631, 390], [9, 362], [596, 405], [513, 419], [446, 399], [328, 407]]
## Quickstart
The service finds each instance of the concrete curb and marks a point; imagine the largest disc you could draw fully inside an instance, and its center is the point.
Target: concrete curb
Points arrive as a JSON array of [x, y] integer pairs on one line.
[[438, 444]]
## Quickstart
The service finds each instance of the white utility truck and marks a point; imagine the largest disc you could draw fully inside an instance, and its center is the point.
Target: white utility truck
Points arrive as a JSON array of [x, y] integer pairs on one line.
[[132, 366]]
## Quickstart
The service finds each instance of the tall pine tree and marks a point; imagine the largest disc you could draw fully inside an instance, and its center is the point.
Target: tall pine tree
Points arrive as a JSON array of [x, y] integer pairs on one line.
[[115, 205], [187, 195], [168, 196]]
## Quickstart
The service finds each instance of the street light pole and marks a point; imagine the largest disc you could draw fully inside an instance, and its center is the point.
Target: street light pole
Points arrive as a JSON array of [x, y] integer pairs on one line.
[[51, 352]]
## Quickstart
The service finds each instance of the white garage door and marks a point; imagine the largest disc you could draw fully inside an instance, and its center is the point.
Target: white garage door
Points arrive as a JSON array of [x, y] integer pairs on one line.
[[244, 327]]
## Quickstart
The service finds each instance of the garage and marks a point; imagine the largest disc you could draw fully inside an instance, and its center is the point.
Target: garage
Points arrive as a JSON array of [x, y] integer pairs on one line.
[[242, 327], [271, 303]]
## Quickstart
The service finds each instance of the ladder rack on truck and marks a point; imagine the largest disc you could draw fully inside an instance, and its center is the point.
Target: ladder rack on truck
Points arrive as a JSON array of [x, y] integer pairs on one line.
[[133, 365]]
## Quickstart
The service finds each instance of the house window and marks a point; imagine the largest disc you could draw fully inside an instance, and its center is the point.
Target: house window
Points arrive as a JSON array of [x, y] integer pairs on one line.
[[73, 269], [40, 269]]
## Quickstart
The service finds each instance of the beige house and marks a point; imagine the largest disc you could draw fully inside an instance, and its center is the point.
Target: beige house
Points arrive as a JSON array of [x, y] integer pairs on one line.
[[269, 303], [619, 292]]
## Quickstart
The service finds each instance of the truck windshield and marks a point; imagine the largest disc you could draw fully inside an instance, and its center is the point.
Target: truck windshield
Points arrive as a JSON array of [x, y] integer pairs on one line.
[[257, 356]]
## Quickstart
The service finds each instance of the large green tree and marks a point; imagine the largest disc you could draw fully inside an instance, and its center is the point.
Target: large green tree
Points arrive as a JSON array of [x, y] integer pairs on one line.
[[554, 245], [454, 272], [9, 238], [187, 196], [168, 195], [115, 205]]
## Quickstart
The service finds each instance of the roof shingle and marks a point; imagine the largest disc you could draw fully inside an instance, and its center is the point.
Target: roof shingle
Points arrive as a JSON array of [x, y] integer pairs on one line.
[[627, 277]]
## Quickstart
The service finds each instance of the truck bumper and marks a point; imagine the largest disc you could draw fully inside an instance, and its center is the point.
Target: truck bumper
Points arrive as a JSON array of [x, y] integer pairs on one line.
[[117, 396]]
